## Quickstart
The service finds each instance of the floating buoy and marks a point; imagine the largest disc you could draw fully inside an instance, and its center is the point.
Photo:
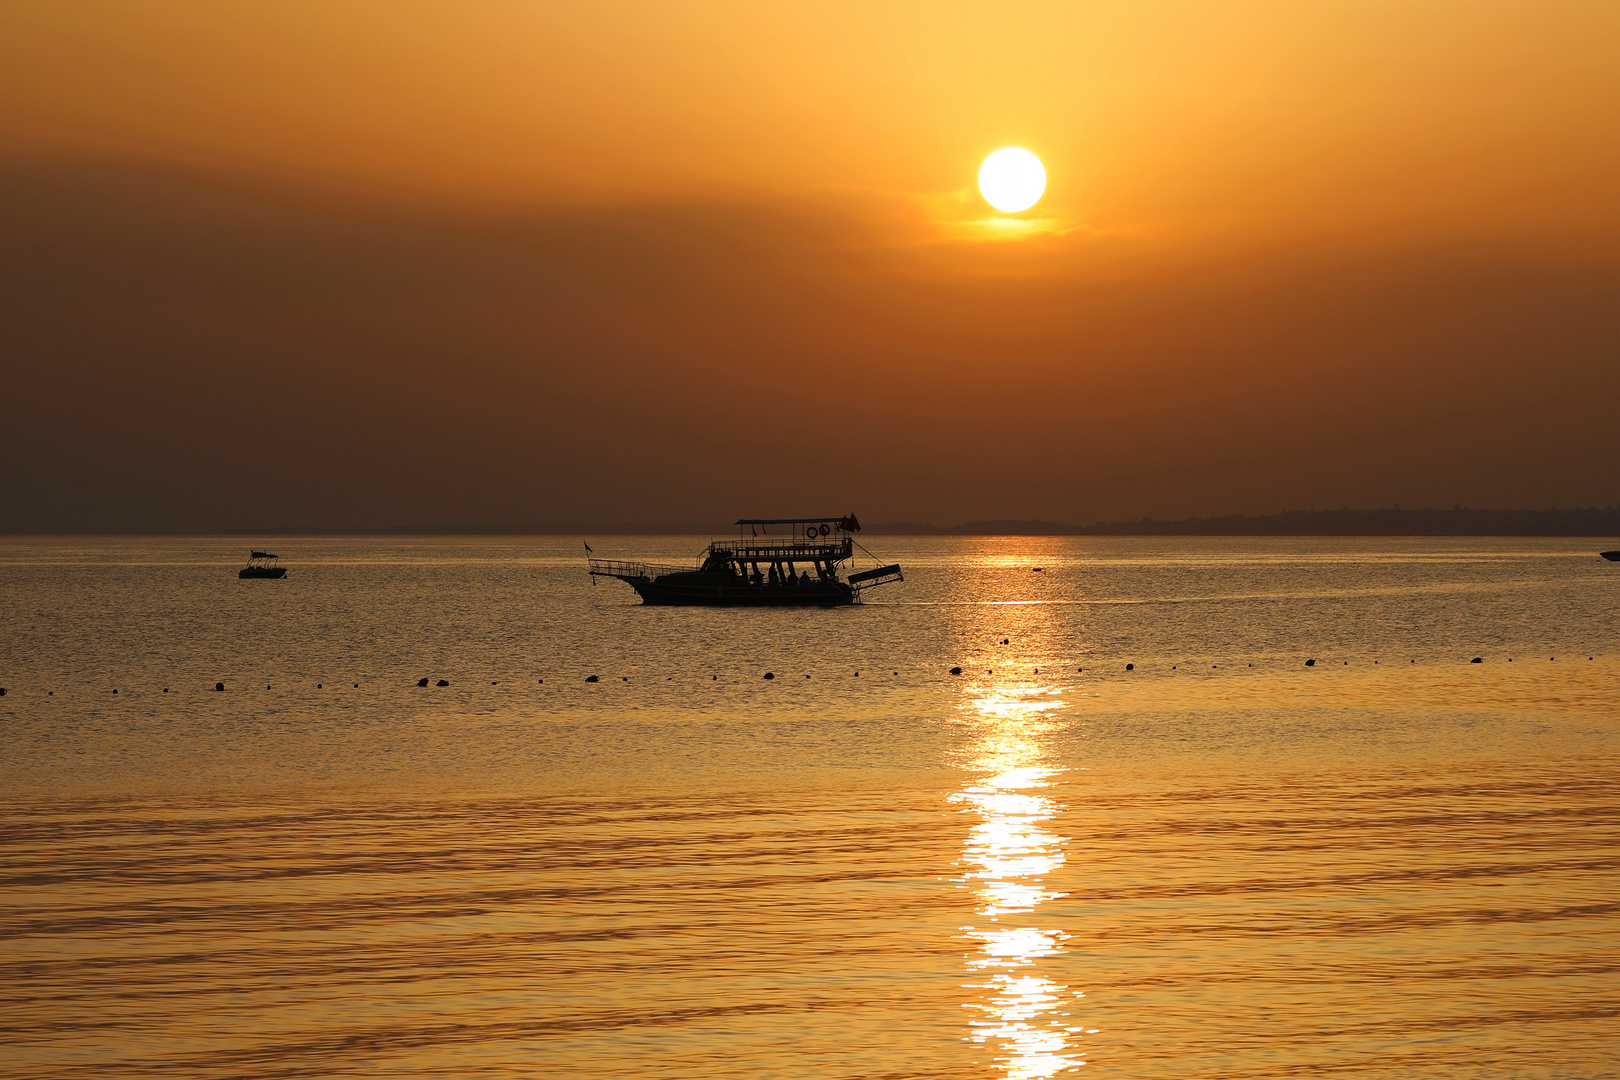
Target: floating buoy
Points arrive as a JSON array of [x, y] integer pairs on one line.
[[770, 675], [166, 689], [542, 680], [590, 678], [956, 671], [493, 682], [1477, 660], [443, 682], [2, 691], [1130, 667], [221, 686], [357, 686], [1172, 667], [807, 676], [713, 677], [267, 686], [624, 678], [50, 693], [1310, 663], [857, 674], [421, 682], [1079, 669], [1004, 641]]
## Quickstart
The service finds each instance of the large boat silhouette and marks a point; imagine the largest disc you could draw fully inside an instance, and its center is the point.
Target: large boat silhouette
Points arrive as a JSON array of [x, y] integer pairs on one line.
[[761, 568]]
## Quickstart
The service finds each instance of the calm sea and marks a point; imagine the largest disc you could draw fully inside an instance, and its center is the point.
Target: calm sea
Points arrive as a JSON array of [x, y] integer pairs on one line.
[[1137, 835]]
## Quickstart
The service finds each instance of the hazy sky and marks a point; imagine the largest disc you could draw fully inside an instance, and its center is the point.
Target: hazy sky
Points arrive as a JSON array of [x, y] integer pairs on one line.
[[370, 264]]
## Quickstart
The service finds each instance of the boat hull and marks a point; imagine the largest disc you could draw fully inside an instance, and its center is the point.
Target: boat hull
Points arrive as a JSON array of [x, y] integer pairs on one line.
[[1612, 556], [262, 572], [706, 590]]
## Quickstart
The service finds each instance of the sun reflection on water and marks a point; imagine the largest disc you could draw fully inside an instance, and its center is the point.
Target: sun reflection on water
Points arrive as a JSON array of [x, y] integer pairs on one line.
[[1008, 856]]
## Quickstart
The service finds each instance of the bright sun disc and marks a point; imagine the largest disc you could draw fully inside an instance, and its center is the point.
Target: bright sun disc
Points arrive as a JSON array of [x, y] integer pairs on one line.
[[1012, 180]]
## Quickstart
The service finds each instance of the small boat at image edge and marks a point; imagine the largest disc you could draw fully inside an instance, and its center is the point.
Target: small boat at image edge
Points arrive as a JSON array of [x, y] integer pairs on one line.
[[262, 564], [1612, 556], [759, 569]]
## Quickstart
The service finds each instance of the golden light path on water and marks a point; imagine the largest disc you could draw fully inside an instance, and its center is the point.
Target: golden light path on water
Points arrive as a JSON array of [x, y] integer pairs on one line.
[[1025, 1018]]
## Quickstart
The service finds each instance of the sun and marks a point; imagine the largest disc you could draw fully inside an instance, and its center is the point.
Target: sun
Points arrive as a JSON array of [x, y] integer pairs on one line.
[[1012, 180]]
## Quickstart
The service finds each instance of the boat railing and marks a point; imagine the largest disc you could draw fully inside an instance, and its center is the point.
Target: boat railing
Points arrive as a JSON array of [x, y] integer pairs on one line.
[[796, 549], [620, 568]]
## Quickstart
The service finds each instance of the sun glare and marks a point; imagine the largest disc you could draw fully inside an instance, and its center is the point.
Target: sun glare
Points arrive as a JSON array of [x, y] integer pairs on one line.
[[1012, 180]]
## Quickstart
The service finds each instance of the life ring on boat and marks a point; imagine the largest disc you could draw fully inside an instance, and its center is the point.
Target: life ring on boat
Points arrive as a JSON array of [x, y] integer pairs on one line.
[[825, 529]]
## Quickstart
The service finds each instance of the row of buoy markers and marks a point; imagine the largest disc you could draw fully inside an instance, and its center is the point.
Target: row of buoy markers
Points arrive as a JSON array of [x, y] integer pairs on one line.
[[219, 687]]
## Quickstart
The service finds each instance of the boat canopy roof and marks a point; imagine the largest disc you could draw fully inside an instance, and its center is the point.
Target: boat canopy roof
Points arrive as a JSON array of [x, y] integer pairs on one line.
[[263, 555], [790, 521]]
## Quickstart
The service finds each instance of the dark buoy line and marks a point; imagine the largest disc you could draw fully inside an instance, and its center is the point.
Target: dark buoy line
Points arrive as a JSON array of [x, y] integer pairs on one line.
[[954, 670]]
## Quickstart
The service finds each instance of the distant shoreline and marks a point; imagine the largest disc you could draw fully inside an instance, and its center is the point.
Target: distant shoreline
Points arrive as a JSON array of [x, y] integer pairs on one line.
[[1393, 521]]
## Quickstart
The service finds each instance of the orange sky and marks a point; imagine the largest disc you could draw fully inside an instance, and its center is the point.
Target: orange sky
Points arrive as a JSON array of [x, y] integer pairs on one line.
[[637, 261]]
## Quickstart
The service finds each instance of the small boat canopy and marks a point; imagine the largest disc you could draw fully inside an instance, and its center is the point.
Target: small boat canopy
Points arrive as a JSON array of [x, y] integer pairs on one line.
[[264, 555]]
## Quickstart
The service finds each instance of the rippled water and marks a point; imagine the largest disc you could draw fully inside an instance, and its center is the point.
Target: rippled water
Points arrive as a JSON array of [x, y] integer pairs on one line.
[[1219, 863]]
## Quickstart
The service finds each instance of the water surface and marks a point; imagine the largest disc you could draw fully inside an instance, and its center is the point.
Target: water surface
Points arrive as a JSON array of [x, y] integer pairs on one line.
[[1220, 862]]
